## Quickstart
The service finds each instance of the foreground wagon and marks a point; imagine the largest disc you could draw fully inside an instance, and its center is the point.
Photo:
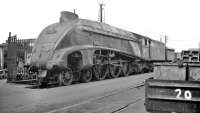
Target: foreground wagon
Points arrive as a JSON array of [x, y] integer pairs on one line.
[[175, 89]]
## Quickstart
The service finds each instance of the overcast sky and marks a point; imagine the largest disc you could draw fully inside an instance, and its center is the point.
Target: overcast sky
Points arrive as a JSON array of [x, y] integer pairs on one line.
[[178, 19]]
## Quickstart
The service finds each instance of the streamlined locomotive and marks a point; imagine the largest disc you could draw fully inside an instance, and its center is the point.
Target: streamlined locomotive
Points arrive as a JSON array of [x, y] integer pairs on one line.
[[82, 50]]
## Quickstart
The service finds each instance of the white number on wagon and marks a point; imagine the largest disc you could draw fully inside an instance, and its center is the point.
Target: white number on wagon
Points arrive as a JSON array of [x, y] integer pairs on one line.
[[187, 94]]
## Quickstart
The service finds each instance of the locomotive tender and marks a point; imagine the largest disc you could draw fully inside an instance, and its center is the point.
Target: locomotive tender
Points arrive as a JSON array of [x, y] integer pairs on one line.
[[82, 50]]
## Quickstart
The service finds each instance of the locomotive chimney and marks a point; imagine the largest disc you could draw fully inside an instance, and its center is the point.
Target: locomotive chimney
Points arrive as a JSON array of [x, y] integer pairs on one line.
[[67, 16]]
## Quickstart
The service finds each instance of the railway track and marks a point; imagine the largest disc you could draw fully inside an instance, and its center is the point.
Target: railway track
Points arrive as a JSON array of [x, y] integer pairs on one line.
[[56, 84], [92, 96], [82, 107]]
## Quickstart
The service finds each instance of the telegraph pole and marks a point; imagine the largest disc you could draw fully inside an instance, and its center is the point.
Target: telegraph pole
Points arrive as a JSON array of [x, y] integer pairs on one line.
[[166, 38], [101, 11]]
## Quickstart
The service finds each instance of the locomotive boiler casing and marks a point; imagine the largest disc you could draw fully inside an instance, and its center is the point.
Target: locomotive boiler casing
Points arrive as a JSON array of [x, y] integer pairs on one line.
[[60, 43]]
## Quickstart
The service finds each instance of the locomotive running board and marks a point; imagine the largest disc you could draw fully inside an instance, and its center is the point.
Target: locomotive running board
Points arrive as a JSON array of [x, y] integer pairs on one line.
[[172, 96]]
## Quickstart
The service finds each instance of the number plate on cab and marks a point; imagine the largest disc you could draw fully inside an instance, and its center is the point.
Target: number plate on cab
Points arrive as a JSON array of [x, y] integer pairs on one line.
[[172, 96]]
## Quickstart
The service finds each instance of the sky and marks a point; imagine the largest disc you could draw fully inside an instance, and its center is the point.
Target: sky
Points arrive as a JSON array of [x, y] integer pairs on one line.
[[179, 20]]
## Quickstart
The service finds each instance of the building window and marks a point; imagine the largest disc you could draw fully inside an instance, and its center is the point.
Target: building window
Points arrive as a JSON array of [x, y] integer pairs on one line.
[[145, 42]]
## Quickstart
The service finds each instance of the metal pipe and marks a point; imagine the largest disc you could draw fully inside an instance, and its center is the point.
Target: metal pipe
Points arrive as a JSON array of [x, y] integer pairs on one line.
[[187, 74], [101, 12]]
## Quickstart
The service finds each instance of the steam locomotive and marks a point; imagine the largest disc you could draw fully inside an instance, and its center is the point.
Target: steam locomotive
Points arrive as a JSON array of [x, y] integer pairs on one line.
[[83, 50]]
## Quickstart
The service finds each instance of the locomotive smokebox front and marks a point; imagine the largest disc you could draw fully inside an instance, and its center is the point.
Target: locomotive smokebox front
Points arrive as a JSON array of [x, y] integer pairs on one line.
[[48, 42]]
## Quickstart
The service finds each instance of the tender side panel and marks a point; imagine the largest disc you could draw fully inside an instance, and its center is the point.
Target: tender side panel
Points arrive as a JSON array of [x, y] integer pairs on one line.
[[145, 52], [145, 42], [157, 50], [152, 49], [172, 96]]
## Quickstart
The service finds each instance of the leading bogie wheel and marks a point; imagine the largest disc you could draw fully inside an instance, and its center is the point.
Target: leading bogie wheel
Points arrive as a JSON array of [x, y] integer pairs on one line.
[[65, 78]]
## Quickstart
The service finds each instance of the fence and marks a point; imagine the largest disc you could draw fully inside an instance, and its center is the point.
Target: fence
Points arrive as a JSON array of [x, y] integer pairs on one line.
[[17, 56]]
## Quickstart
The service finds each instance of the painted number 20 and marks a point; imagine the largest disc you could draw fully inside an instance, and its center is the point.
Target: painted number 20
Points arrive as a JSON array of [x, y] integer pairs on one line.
[[187, 94]]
